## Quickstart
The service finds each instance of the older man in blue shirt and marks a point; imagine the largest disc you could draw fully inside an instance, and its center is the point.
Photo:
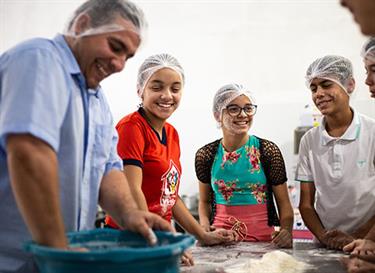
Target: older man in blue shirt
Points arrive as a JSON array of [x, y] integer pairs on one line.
[[58, 154]]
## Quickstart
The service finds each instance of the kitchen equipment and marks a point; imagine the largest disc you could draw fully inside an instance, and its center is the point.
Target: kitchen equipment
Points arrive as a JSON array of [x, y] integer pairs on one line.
[[113, 251]]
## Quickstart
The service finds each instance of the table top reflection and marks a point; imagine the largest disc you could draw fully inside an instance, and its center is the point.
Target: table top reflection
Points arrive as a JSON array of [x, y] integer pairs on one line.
[[220, 259]]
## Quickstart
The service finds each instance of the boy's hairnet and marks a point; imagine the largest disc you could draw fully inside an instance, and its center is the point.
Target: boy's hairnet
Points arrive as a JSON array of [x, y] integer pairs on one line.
[[331, 67], [103, 14], [226, 94], [155, 63], [368, 50]]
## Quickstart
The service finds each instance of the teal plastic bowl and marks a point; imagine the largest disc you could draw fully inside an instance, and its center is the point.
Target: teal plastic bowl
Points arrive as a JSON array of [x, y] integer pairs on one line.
[[113, 251]]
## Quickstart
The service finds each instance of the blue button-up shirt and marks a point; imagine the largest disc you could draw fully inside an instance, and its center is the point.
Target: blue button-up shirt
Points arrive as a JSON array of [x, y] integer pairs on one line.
[[43, 93]]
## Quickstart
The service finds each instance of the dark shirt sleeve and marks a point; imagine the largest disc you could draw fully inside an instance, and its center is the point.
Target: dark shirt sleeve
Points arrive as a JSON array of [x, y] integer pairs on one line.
[[204, 158], [274, 162]]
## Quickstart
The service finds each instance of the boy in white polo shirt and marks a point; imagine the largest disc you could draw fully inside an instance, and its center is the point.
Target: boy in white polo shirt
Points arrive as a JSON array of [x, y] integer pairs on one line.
[[336, 165]]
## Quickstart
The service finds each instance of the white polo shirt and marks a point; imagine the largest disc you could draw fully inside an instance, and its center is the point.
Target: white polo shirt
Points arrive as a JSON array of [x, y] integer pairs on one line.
[[343, 171]]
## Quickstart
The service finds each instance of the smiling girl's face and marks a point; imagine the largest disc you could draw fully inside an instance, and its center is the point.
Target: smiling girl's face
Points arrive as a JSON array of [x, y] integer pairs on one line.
[[162, 94]]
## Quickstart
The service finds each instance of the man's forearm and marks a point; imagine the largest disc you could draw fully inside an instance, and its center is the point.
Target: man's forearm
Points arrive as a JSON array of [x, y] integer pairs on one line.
[[115, 197], [140, 199], [312, 221], [33, 171], [367, 230]]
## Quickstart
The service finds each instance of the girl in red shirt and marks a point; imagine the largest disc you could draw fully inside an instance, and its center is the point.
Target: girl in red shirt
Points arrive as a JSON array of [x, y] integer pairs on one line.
[[150, 150]]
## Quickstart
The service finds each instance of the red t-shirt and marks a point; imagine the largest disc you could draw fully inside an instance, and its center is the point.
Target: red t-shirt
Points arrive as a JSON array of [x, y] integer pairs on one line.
[[140, 145]]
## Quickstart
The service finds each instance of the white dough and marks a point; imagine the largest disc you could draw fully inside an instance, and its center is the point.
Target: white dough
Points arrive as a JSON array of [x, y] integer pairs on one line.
[[272, 262]]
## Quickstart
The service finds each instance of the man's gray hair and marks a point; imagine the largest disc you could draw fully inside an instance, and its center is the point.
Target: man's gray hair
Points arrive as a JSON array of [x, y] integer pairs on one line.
[[104, 12]]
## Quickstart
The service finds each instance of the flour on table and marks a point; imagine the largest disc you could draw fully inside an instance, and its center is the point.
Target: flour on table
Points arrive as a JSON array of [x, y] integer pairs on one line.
[[271, 262], [326, 253]]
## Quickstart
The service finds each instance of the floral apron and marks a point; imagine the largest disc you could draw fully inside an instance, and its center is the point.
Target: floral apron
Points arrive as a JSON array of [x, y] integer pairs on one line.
[[240, 190]]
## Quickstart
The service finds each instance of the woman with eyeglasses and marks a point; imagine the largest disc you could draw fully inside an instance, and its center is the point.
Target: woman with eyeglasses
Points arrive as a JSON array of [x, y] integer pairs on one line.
[[240, 173]]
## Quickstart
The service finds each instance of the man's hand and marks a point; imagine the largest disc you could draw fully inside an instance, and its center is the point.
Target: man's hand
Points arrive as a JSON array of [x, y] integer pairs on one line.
[[336, 239], [143, 222], [360, 247], [356, 265]]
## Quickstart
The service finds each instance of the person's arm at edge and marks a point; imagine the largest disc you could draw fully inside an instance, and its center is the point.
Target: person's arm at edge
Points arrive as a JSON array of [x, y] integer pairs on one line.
[[33, 170], [366, 231], [204, 206], [308, 212], [360, 246]]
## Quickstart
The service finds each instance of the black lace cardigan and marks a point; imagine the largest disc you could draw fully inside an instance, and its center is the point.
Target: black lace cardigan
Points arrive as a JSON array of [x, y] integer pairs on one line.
[[272, 163]]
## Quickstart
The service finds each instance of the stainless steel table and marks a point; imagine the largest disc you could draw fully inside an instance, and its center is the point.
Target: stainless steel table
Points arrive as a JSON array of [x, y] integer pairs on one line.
[[219, 258]]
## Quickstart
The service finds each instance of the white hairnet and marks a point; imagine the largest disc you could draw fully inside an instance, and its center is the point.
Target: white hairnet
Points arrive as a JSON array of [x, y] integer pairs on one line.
[[226, 94], [103, 15], [368, 50], [155, 63], [331, 67]]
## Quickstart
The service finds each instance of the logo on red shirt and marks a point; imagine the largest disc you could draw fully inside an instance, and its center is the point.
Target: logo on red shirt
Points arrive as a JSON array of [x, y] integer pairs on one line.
[[170, 180]]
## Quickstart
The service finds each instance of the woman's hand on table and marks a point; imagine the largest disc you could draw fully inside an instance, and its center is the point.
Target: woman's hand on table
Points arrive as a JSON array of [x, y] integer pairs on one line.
[[218, 236], [282, 238]]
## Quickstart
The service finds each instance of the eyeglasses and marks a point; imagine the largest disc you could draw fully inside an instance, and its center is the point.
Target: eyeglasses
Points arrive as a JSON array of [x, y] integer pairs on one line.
[[235, 110]]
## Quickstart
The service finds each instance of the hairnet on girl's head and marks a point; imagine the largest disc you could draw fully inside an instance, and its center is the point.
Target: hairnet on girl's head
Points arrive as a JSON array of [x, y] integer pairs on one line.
[[226, 94], [368, 50], [331, 67], [155, 63], [103, 15]]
